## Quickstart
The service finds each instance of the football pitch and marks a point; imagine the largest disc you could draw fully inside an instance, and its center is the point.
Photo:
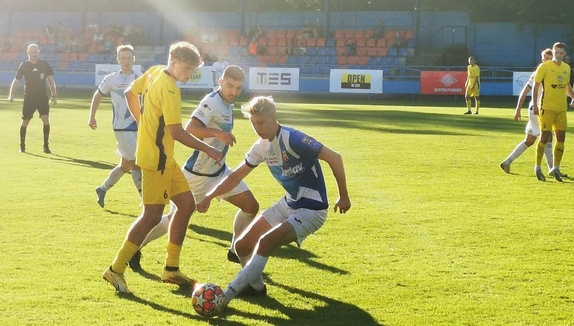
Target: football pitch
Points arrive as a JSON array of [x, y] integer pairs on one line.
[[438, 234]]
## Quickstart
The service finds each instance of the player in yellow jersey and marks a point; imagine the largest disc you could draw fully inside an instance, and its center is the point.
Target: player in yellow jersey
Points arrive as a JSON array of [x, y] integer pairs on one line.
[[554, 78], [472, 85], [159, 121]]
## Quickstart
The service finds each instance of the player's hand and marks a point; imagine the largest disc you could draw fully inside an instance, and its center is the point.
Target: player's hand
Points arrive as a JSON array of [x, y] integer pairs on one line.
[[54, 101], [572, 103], [215, 154], [535, 110], [226, 137], [92, 123], [343, 204], [203, 205], [517, 116]]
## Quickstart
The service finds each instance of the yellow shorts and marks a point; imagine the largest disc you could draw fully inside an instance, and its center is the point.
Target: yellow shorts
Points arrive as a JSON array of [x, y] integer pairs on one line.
[[158, 187], [552, 120], [473, 92]]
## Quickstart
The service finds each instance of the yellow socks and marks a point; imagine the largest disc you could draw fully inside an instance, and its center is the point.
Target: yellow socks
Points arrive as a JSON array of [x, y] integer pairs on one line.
[[540, 152], [126, 253], [172, 258]]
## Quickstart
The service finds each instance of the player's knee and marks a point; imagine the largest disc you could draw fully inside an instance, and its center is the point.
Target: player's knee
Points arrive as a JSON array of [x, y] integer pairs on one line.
[[243, 246]]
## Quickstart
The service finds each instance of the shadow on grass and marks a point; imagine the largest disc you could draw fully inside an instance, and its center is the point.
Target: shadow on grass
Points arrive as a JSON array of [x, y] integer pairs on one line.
[[75, 161], [289, 251], [327, 312]]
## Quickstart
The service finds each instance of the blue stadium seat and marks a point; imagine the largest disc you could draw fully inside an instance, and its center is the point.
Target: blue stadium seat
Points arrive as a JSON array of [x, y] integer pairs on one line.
[[392, 61], [403, 52], [330, 42], [321, 60], [311, 51], [331, 51], [331, 60], [372, 61], [321, 51], [301, 60], [291, 60], [392, 52]]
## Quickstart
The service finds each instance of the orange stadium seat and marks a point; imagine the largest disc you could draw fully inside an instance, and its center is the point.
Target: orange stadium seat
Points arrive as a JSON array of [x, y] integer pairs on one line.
[[363, 59], [371, 42], [321, 41], [342, 60], [339, 34], [271, 33], [360, 33]]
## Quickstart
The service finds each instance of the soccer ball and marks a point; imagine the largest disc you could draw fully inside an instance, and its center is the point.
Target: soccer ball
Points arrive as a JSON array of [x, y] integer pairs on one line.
[[207, 299]]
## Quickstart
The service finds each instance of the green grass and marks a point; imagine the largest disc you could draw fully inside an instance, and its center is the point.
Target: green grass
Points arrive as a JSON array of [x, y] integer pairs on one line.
[[437, 234]]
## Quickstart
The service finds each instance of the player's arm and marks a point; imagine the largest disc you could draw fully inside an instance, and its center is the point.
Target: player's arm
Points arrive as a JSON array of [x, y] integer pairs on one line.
[[571, 94], [335, 162], [198, 129], [96, 100], [12, 86], [521, 98], [178, 133], [535, 98], [133, 102], [53, 91], [225, 186]]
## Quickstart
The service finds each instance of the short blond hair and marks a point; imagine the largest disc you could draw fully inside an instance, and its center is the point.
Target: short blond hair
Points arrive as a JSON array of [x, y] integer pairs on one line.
[[185, 52], [259, 105], [124, 47]]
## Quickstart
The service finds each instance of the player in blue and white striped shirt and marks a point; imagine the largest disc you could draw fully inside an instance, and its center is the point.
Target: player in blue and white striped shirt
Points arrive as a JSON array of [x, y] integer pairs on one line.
[[125, 126], [293, 159]]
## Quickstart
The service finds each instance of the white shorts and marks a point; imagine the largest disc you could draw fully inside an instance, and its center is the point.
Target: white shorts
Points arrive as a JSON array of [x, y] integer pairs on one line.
[[304, 221], [200, 185], [127, 141], [532, 127]]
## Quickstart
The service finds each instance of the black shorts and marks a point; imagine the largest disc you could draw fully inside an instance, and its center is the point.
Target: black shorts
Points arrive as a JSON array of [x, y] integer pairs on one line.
[[31, 104]]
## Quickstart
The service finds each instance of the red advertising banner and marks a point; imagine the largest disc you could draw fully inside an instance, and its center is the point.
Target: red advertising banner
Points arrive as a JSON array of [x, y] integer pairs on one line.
[[443, 82]]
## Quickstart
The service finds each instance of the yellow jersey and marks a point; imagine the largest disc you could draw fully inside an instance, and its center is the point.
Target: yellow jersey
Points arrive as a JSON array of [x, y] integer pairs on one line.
[[554, 80], [161, 107], [473, 75]]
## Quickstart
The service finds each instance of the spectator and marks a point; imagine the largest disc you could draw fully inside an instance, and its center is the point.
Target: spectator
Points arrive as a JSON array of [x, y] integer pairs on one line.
[[48, 30], [400, 41], [307, 30], [252, 47], [254, 32], [380, 30], [350, 47], [301, 49], [289, 48], [318, 30]]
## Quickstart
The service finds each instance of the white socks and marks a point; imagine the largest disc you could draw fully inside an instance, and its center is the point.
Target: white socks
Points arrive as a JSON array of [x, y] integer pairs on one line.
[[158, 231], [549, 154], [113, 177], [250, 274], [518, 150]]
